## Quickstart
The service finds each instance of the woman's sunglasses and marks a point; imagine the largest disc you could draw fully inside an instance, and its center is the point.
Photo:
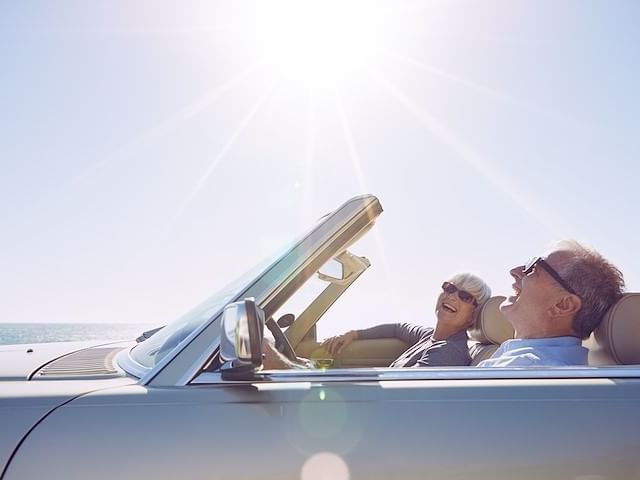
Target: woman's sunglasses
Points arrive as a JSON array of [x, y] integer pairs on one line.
[[466, 297]]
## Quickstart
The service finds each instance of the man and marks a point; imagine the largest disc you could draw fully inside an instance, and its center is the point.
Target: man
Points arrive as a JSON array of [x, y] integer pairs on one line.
[[559, 300]]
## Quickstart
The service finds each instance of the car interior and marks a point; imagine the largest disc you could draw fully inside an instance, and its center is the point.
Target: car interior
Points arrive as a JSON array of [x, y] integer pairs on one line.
[[489, 330], [615, 342]]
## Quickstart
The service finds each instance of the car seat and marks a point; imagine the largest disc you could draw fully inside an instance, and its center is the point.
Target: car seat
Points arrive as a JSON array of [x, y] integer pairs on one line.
[[488, 331], [616, 341]]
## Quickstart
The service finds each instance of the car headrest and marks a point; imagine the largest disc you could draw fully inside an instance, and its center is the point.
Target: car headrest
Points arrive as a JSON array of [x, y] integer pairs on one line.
[[619, 332], [490, 325]]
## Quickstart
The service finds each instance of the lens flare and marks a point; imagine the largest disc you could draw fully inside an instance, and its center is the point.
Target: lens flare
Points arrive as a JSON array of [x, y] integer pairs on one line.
[[325, 466]]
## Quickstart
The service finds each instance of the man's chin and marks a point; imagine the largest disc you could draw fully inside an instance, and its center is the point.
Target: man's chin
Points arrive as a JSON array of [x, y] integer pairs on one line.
[[508, 308], [507, 303]]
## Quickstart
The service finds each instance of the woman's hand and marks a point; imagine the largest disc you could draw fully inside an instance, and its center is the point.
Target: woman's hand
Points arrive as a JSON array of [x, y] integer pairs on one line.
[[335, 345]]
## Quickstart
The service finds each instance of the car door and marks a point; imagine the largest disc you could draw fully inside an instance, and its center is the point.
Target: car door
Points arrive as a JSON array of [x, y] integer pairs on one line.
[[444, 424], [374, 424]]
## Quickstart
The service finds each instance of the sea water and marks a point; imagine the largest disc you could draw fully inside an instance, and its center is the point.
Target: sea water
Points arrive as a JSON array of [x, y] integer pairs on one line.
[[13, 333]]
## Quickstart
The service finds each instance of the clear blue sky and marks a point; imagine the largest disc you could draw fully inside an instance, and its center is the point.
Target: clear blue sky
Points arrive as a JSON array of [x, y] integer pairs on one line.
[[152, 151]]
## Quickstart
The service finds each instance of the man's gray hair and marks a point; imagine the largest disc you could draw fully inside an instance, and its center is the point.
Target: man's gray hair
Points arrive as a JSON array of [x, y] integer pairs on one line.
[[472, 284], [598, 283]]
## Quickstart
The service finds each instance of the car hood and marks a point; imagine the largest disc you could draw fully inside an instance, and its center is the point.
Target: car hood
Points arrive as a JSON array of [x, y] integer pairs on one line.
[[19, 362], [37, 378], [24, 403]]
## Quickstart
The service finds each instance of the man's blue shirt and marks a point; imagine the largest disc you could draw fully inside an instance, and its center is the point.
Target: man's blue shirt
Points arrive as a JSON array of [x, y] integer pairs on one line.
[[525, 352]]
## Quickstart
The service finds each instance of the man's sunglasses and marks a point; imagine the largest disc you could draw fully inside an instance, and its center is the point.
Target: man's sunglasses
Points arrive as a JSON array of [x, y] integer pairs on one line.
[[466, 297], [535, 261]]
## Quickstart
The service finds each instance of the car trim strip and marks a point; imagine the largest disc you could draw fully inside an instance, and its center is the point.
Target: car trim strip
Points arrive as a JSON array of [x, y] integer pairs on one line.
[[428, 373]]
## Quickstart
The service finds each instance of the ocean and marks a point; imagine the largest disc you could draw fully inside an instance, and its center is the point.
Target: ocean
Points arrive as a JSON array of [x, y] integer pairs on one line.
[[13, 333]]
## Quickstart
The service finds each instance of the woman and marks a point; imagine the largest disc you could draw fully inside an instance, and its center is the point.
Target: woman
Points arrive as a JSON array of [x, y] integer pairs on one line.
[[444, 345]]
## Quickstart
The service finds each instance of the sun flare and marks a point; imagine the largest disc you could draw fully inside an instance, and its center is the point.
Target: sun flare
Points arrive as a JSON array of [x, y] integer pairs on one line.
[[320, 40]]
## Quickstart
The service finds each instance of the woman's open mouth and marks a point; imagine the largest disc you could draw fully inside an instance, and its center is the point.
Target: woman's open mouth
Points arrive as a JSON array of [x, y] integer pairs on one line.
[[449, 308]]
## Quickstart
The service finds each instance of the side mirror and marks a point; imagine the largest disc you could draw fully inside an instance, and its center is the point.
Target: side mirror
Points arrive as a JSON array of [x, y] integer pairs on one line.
[[241, 339]]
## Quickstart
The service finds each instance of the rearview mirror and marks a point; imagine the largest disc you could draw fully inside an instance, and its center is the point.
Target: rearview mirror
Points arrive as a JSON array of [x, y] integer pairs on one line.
[[241, 338]]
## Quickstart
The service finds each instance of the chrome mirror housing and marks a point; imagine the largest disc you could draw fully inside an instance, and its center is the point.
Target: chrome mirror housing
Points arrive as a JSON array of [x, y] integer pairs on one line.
[[241, 340]]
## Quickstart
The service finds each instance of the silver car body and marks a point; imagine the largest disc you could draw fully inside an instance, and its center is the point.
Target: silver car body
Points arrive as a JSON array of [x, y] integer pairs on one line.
[[161, 409]]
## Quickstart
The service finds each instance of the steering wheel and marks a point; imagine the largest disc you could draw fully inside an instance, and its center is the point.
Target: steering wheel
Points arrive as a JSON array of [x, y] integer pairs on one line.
[[282, 342]]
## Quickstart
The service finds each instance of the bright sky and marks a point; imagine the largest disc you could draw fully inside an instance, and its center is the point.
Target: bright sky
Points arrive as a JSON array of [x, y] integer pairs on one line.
[[152, 152]]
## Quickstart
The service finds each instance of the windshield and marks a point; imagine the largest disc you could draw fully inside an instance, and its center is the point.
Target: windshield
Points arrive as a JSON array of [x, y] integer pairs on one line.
[[154, 349], [151, 351]]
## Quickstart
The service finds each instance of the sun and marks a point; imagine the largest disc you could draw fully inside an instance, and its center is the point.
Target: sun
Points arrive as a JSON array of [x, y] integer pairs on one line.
[[320, 40]]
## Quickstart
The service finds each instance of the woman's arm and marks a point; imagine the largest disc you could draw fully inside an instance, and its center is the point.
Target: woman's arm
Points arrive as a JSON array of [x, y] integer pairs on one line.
[[406, 332]]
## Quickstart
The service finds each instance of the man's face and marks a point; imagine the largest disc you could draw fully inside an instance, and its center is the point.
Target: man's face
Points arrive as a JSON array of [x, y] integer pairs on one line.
[[533, 295]]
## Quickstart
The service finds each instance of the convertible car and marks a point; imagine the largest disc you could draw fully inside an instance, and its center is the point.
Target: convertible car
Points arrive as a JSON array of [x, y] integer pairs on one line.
[[191, 400]]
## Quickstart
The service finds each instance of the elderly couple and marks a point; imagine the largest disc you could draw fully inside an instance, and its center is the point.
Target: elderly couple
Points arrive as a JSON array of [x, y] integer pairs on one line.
[[558, 300]]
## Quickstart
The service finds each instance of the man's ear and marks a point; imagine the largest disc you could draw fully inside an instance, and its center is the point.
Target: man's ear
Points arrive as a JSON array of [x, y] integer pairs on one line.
[[568, 304]]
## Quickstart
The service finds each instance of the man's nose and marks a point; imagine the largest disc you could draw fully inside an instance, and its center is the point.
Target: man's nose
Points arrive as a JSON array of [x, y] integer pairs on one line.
[[516, 272]]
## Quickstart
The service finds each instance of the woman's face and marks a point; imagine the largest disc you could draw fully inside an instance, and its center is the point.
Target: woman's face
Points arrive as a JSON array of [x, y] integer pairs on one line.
[[450, 309]]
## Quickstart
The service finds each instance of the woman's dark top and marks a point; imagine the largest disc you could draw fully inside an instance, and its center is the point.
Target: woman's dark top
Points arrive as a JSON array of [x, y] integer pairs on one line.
[[423, 352]]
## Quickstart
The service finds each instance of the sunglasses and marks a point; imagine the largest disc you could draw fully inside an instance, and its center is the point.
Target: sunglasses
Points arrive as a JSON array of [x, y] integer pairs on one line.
[[466, 297], [535, 261]]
